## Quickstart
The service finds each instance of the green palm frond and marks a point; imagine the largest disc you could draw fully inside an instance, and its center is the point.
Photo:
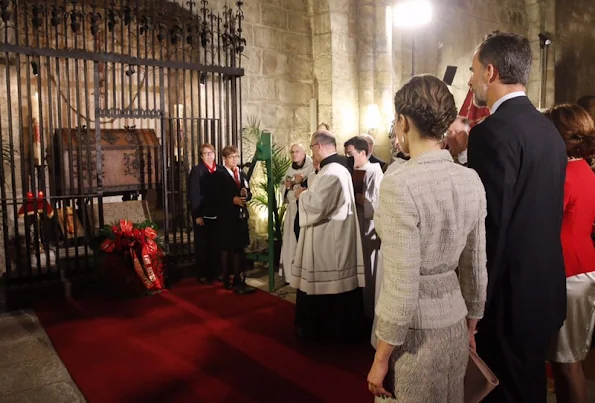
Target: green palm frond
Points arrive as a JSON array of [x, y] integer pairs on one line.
[[280, 164]]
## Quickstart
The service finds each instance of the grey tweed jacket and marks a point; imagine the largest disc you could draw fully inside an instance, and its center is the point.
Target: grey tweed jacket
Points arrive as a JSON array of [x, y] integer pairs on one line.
[[431, 220]]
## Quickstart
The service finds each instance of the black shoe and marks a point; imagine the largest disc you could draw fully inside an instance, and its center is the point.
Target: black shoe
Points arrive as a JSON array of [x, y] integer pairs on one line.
[[204, 281], [242, 289], [227, 285]]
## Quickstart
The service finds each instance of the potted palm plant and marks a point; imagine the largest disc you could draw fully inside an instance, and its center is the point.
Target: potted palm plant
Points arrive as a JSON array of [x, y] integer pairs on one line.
[[280, 164]]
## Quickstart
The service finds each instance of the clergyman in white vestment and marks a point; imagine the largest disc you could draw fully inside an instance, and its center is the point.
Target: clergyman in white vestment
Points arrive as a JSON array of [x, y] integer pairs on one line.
[[301, 167], [366, 199], [328, 270]]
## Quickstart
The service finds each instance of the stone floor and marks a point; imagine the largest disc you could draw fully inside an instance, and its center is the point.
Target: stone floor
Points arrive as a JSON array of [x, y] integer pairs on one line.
[[30, 369], [32, 372]]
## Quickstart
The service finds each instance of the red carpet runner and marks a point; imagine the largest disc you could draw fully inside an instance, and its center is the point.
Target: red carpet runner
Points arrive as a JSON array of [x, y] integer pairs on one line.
[[199, 344]]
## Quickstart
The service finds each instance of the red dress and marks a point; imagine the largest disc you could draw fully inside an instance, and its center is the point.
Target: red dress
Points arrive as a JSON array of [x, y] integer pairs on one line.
[[579, 216]]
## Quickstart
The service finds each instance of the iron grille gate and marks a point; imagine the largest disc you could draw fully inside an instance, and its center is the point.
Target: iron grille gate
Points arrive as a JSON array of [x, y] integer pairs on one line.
[[104, 101]]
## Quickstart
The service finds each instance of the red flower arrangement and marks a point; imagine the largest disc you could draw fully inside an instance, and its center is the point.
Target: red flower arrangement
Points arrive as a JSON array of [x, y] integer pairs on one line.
[[134, 255]]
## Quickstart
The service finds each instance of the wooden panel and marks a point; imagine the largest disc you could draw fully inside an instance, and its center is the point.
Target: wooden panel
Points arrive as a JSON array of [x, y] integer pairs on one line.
[[130, 160]]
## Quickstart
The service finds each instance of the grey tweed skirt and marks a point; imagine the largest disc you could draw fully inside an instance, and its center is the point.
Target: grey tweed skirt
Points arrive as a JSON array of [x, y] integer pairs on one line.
[[430, 366]]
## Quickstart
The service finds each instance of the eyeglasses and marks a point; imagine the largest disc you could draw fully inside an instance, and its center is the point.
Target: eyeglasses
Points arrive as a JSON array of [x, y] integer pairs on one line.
[[208, 153], [233, 157], [312, 145]]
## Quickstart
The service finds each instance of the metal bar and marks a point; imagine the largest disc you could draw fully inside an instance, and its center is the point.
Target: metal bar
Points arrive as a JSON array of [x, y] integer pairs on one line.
[[164, 163], [41, 168], [3, 201], [83, 131], [71, 151], [13, 179], [24, 185], [117, 58], [98, 162], [123, 93], [60, 145], [185, 162], [127, 113]]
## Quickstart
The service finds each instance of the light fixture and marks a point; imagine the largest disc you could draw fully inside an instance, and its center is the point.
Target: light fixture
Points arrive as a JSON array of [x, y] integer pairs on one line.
[[412, 13], [373, 118], [545, 39]]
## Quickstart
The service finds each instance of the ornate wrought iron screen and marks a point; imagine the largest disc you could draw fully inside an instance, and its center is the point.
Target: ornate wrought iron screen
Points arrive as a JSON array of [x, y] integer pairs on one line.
[[103, 101]]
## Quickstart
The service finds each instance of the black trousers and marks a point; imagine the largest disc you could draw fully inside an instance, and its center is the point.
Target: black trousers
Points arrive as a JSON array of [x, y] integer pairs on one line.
[[519, 364], [207, 250]]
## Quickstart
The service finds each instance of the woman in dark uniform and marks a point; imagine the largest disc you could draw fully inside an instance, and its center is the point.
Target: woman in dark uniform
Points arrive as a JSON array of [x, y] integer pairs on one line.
[[232, 216], [204, 215]]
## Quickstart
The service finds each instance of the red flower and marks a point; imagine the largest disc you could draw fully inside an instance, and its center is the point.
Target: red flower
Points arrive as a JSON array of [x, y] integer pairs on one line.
[[150, 233], [115, 228], [126, 226], [108, 245], [137, 234]]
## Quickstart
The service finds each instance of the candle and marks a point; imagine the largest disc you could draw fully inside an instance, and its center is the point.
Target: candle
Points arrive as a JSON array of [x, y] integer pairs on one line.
[[35, 107], [36, 134]]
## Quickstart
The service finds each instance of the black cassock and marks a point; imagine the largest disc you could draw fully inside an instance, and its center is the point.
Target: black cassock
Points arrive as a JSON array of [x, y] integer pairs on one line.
[[521, 159]]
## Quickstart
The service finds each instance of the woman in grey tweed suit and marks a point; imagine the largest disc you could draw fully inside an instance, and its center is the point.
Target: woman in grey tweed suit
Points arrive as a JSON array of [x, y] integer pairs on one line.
[[430, 219]]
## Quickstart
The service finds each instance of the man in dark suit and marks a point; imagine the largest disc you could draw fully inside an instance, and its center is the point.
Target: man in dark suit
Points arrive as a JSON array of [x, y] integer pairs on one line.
[[521, 160]]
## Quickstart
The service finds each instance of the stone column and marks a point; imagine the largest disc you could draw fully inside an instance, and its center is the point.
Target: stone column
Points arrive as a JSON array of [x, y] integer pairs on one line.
[[322, 55], [345, 122], [541, 18], [383, 90]]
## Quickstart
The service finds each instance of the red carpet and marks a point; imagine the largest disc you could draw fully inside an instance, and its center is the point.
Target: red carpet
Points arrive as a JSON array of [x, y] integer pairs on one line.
[[199, 344]]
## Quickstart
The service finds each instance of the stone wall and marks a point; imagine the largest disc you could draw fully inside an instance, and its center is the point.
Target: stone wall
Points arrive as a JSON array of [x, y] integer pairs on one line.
[[278, 84], [574, 48]]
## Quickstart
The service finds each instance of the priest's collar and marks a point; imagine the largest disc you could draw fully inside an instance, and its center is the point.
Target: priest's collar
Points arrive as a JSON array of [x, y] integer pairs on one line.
[[299, 165], [339, 159]]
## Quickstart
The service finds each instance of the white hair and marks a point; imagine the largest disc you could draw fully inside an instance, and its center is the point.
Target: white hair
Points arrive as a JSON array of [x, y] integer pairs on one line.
[[300, 145], [369, 139]]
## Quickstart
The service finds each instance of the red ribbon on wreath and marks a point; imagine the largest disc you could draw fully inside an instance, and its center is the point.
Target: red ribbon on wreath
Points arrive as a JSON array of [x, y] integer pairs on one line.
[[134, 242]]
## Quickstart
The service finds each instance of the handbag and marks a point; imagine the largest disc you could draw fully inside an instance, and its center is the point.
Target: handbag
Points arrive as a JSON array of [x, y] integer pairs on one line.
[[479, 379]]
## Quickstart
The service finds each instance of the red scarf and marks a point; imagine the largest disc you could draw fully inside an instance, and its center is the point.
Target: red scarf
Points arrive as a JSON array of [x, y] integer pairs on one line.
[[236, 176], [213, 168]]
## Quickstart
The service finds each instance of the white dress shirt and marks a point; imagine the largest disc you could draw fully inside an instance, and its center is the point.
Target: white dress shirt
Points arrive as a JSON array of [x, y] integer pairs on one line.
[[506, 98]]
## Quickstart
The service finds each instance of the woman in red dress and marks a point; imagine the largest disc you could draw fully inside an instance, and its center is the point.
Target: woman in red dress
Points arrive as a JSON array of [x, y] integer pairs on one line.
[[572, 343]]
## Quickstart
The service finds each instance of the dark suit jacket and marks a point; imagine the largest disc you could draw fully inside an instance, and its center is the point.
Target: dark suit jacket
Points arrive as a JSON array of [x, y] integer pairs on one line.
[[375, 160], [233, 228], [201, 191], [521, 159]]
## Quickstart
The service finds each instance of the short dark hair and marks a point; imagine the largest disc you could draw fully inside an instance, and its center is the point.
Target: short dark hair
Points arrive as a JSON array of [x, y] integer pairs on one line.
[[426, 100], [324, 137], [585, 101], [576, 127], [510, 54], [228, 150], [359, 143]]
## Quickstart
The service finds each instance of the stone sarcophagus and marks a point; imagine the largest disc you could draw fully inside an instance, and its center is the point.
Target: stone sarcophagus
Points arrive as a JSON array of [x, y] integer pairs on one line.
[[130, 161]]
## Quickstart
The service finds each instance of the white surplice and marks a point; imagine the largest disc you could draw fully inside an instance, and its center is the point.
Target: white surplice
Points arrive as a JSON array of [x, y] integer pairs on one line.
[[289, 240], [370, 240], [328, 257]]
